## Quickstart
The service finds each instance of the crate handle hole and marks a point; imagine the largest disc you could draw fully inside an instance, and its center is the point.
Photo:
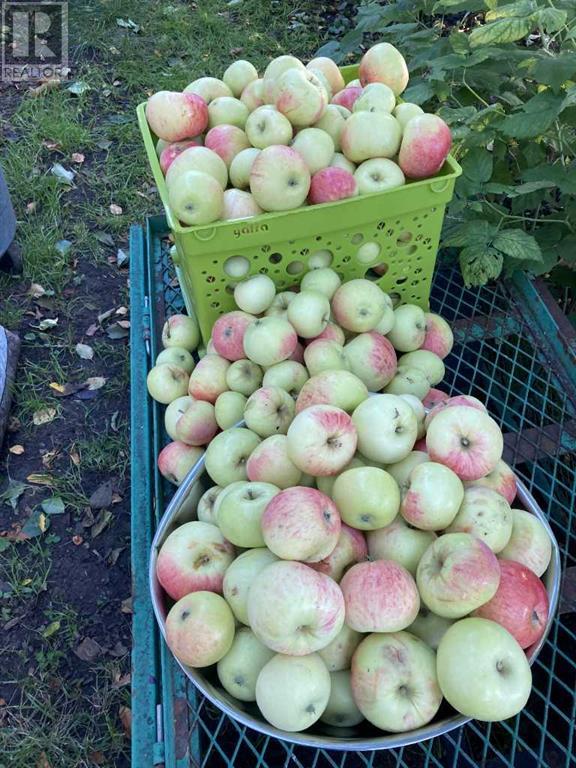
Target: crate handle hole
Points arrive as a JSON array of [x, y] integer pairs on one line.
[[275, 258], [401, 280]]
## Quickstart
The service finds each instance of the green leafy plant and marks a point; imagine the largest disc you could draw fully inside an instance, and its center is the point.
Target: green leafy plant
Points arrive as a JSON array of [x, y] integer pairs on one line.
[[503, 76]]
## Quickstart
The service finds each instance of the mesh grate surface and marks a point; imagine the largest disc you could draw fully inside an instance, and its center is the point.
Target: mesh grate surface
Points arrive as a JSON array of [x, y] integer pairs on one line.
[[499, 358]]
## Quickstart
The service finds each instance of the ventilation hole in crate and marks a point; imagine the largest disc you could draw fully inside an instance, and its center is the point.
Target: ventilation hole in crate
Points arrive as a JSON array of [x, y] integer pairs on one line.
[[425, 216], [210, 279], [418, 271], [427, 240], [376, 272], [345, 259], [415, 218], [222, 280], [396, 298], [204, 272], [404, 238], [265, 249], [401, 280], [390, 232], [263, 270], [368, 252], [381, 225], [415, 282], [356, 238], [303, 252], [236, 266], [215, 304], [320, 259], [318, 238], [418, 237], [295, 267], [215, 261], [275, 258], [291, 242]]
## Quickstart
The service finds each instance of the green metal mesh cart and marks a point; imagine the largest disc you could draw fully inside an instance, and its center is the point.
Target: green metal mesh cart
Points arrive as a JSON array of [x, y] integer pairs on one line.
[[513, 350]]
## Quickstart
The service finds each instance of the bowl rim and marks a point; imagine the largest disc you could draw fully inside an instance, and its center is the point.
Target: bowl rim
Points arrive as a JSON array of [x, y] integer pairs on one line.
[[551, 577]]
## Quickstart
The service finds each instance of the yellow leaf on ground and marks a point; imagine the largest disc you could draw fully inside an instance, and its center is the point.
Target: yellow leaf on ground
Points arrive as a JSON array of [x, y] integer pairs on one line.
[[17, 450], [44, 416]]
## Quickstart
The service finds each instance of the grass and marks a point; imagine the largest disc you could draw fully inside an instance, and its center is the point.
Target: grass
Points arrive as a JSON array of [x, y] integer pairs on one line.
[[54, 718]]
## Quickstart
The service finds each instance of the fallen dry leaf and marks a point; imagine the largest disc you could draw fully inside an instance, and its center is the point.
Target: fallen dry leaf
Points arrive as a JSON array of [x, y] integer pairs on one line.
[[31, 207], [123, 323], [125, 715], [14, 424], [17, 450], [78, 157], [116, 498], [116, 210], [50, 144], [121, 680], [95, 382], [36, 290], [88, 650], [49, 458], [84, 351], [40, 479], [103, 520], [91, 330], [112, 558], [75, 456], [48, 85], [44, 416], [102, 496], [42, 761], [126, 605], [122, 311], [105, 315]]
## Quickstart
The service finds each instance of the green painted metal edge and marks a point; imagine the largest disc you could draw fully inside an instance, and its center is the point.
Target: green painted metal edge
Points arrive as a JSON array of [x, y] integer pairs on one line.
[[145, 671]]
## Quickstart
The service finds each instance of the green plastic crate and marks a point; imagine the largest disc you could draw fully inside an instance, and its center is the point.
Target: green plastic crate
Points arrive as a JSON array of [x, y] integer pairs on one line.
[[514, 351], [405, 224]]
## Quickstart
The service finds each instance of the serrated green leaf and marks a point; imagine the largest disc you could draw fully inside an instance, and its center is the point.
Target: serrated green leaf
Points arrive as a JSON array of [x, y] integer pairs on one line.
[[550, 19], [418, 94], [12, 493], [519, 126], [476, 233], [519, 8], [517, 244], [36, 525], [563, 178], [480, 264], [501, 31], [567, 249], [477, 165], [456, 6], [555, 70], [53, 506]]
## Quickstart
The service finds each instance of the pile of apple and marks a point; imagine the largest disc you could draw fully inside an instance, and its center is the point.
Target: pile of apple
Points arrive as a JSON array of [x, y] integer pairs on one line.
[[357, 556], [236, 147]]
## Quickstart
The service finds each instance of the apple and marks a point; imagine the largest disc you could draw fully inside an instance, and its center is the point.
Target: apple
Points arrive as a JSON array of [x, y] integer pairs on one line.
[[383, 63], [397, 541], [320, 259], [429, 627], [432, 498], [227, 141], [376, 97], [288, 375], [176, 459], [200, 159], [172, 151], [378, 175], [239, 75], [239, 204], [529, 543], [226, 110], [331, 184], [239, 510], [370, 134], [167, 382], [305, 685], [434, 397], [321, 440], [324, 280], [330, 71], [227, 454], [176, 116], [326, 483], [228, 331], [316, 148], [177, 356], [269, 340], [380, 596], [465, 439], [266, 127], [239, 577], [340, 161], [253, 94], [236, 266], [457, 574], [206, 503], [324, 355], [238, 670], [301, 524], [339, 388], [200, 629], [428, 362], [293, 609], [482, 671], [402, 469], [388, 319], [301, 97], [332, 122], [244, 376], [208, 88], [394, 681], [337, 655], [341, 710], [274, 71], [419, 411], [255, 294], [197, 425], [409, 330], [173, 412], [229, 409], [194, 557], [487, 515], [372, 359], [181, 331], [406, 111], [347, 97], [280, 179], [408, 381], [332, 332], [439, 337], [502, 479], [269, 462], [350, 548], [367, 497], [520, 604], [451, 402], [279, 306], [269, 411], [197, 198], [241, 167], [425, 146], [208, 379], [358, 305], [308, 313], [387, 428]]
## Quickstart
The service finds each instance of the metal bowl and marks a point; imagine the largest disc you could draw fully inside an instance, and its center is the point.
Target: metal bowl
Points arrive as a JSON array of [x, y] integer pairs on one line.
[[182, 508]]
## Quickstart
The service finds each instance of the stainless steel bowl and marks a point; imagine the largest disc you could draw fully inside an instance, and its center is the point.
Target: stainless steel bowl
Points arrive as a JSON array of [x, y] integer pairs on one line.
[[182, 508]]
